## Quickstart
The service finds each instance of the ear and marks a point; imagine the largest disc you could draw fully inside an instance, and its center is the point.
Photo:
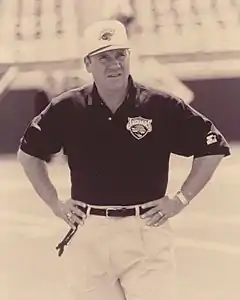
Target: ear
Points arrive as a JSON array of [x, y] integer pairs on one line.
[[87, 61]]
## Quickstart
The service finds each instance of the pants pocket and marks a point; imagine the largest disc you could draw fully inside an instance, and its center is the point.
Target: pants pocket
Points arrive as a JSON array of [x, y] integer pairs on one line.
[[157, 241]]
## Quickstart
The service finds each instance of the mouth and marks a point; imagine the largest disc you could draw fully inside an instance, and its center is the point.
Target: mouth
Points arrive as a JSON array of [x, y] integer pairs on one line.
[[114, 75]]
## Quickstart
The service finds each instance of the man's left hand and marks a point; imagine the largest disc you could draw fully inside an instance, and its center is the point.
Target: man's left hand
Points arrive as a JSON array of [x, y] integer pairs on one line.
[[162, 209]]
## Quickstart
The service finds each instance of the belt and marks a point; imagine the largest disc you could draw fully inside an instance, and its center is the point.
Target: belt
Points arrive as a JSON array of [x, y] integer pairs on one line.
[[114, 212], [107, 212]]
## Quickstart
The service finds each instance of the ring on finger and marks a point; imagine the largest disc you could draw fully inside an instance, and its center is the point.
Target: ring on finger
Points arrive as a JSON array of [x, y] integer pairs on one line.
[[160, 214], [162, 218], [69, 215]]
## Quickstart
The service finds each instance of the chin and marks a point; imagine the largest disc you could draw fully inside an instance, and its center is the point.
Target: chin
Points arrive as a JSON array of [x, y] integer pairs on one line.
[[116, 84]]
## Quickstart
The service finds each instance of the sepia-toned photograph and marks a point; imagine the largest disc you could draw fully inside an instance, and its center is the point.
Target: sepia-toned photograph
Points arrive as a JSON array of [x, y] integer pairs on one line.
[[120, 149]]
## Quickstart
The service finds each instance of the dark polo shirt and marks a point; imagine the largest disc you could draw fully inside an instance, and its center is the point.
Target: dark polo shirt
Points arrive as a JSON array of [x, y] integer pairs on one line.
[[120, 158]]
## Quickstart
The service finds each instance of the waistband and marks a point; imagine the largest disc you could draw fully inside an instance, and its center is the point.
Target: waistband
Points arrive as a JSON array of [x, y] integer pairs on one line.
[[105, 211]]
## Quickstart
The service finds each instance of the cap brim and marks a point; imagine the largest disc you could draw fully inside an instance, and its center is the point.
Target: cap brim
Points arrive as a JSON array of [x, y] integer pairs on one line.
[[108, 48]]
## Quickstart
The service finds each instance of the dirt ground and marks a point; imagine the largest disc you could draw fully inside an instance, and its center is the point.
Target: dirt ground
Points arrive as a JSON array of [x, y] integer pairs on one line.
[[207, 235]]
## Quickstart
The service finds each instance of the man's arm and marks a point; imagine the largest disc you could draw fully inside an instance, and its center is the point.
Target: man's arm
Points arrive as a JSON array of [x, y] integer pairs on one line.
[[37, 173], [201, 172], [192, 135]]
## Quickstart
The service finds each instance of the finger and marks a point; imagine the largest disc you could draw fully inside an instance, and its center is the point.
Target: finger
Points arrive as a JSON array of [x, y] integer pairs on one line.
[[150, 204], [78, 203], [75, 219], [78, 212], [72, 225], [161, 221], [154, 219], [150, 212]]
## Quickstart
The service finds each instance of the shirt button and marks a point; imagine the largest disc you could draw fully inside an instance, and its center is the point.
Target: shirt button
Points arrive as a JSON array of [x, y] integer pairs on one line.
[[110, 119]]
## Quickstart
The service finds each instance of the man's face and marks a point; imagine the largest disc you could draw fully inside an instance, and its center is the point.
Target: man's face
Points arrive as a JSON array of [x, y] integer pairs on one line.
[[110, 69]]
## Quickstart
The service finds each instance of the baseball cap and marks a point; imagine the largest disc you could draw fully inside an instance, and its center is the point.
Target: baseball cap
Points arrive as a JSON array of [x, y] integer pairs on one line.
[[104, 36]]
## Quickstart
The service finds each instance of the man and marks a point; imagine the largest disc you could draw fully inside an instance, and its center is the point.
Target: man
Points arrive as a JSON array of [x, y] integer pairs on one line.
[[118, 137]]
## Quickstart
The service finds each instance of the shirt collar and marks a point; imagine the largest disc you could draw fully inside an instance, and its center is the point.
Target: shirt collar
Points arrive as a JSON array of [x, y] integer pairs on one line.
[[130, 97]]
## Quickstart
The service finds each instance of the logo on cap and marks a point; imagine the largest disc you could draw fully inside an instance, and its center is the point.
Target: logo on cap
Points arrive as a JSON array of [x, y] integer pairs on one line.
[[139, 127], [106, 34]]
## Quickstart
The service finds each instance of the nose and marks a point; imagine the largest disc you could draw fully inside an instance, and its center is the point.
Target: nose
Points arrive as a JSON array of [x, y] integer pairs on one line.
[[114, 62]]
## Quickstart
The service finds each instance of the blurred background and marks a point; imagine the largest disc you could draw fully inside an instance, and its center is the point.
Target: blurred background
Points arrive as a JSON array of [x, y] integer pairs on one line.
[[190, 48], [197, 41]]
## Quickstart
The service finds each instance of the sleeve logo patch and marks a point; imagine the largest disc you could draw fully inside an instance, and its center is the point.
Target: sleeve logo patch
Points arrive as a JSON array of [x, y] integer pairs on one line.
[[211, 138], [139, 127]]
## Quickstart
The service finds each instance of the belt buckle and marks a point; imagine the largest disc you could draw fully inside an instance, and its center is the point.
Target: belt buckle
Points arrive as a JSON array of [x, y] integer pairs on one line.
[[108, 209], [114, 208]]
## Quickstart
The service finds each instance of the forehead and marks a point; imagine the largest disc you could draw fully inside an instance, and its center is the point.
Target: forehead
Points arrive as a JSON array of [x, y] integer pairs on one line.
[[110, 52]]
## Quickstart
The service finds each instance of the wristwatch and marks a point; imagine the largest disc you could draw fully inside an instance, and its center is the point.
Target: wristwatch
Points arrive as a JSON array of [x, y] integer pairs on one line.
[[182, 198]]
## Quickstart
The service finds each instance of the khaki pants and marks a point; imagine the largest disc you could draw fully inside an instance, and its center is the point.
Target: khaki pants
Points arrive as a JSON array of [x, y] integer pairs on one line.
[[120, 258]]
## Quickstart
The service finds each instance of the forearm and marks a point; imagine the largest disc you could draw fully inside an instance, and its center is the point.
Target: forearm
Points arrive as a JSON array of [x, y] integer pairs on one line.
[[201, 172], [36, 171]]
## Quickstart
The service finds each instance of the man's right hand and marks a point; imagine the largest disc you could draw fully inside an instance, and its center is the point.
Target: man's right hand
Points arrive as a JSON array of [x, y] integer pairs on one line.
[[69, 212]]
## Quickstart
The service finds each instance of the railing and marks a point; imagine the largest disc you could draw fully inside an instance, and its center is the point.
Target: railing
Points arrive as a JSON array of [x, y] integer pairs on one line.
[[49, 31]]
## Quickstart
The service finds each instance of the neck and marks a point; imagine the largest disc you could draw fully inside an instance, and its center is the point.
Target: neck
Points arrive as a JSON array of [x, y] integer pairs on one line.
[[112, 98]]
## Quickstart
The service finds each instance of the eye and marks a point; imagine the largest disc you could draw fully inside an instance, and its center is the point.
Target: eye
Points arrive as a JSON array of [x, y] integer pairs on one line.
[[102, 57], [121, 54]]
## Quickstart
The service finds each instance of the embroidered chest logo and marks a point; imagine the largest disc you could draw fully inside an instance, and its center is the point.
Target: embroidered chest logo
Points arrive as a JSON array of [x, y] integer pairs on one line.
[[139, 127], [106, 34]]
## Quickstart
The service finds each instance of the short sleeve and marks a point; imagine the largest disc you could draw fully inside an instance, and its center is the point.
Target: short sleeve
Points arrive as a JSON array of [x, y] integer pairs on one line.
[[195, 135], [41, 138]]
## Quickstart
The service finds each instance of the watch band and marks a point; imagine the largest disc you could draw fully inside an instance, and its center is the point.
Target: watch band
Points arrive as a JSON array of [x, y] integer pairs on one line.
[[182, 198]]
